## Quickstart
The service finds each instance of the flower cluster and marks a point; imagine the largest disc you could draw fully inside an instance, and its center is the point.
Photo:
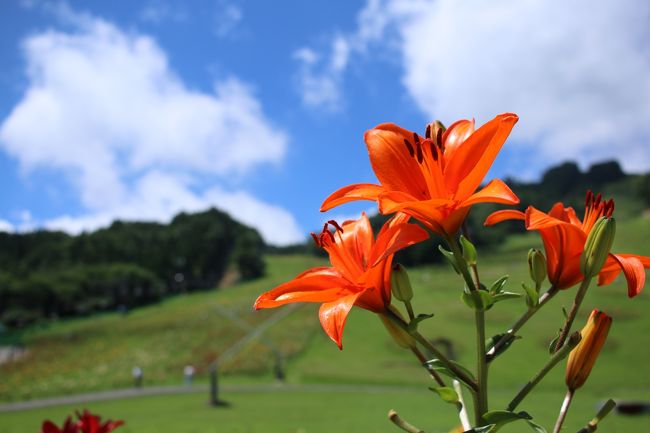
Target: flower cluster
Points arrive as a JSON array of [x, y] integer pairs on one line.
[[435, 179]]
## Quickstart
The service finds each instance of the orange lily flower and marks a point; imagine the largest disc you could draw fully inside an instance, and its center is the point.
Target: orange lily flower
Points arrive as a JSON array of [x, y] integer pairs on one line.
[[433, 179], [583, 357], [564, 237], [359, 275]]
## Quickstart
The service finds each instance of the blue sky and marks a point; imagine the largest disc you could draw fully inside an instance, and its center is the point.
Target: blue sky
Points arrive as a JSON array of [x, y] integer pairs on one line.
[[141, 109]]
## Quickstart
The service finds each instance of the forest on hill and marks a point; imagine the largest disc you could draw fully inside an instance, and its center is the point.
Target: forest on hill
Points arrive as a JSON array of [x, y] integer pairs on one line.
[[47, 274]]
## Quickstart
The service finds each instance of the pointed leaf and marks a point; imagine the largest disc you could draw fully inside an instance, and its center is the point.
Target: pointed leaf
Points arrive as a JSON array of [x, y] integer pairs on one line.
[[438, 366], [502, 417], [448, 395], [498, 285], [469, 251], [490, 342], [413, 325], [450, 258], [477, 300], [532, 297], [538, 428], [504, 296]]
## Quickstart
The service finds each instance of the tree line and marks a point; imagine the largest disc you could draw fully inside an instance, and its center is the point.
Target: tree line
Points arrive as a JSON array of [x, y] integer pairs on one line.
[[47, 274]]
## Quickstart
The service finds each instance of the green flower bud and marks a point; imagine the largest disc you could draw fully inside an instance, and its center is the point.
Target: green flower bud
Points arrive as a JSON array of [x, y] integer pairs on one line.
[[400, 285], [399, 335], [537, 266], [599, 242]]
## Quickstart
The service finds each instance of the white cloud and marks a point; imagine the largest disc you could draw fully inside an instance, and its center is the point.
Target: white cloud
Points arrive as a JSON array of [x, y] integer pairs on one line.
[[159, 196], [579, 81], [6, 226], [105, 108], [157, 12]]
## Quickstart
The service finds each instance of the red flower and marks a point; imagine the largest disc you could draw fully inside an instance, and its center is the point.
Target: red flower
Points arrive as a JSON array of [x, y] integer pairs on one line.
[[360, 272], [564, 237], [433, 179], [88, 423]]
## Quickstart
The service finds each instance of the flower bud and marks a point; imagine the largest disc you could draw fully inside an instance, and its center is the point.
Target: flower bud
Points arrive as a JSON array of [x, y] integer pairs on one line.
[[597, 246], [583, 357], [400, 285], [401, 337], [537, 266]]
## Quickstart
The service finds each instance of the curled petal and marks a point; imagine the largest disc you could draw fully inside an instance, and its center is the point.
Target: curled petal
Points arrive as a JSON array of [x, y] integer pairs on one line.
[[634, 272], [315, 285], [504, 215], [333, 316], [395, 238], [359, 191], [494, 192]]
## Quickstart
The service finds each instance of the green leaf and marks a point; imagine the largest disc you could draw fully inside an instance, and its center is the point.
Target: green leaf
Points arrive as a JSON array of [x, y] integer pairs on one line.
[[490, 342], [450, 258], [469, 251], [551, 346], [448, 395], [498, 285], [502, 417], [477, 300], [504, 296], [438, 366], [413, 325], [532, 297], [538, 428], [483, 429]]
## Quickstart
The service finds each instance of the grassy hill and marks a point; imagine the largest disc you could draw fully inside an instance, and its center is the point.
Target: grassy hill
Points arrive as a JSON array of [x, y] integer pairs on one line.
[[98, 353]]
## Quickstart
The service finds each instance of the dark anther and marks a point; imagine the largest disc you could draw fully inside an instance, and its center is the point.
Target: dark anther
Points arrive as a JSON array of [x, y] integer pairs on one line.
[[409, 147], [589, 199], [427, 134], [335, 225], [434, 150], [420, 155], [316, 240], [439, 140], [416, 137]]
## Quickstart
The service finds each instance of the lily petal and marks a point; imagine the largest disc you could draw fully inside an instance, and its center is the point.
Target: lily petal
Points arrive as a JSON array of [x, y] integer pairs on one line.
[[359, 191], [395, 238], [504, 215], [633, 268], [394, 166], [333, 316], [471, 161], [494, 192], [313, 286]]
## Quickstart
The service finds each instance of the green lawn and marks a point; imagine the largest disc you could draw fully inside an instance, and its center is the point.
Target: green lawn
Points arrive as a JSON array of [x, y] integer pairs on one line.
[[98, 353]]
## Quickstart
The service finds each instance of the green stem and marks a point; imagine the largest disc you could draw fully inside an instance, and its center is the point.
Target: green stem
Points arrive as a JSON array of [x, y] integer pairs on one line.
[[582, 291], [563, 411], [481, 398], [434, 350], [409, 309], [592, 425], [552, 362], [510, 333], [423, 360], [404, 425]]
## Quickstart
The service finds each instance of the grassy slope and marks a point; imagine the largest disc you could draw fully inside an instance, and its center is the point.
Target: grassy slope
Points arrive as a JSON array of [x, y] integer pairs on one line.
[[369, 356]]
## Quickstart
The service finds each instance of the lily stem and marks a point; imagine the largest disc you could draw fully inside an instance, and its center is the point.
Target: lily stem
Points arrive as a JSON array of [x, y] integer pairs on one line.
[[481, 397], [423, 360], [563, 411], [552, 362], [404, 425], [510, 333], [582, 291], [434, 350]]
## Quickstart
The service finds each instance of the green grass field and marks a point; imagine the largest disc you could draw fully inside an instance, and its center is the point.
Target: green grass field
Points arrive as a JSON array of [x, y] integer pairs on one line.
[[98, 353]]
